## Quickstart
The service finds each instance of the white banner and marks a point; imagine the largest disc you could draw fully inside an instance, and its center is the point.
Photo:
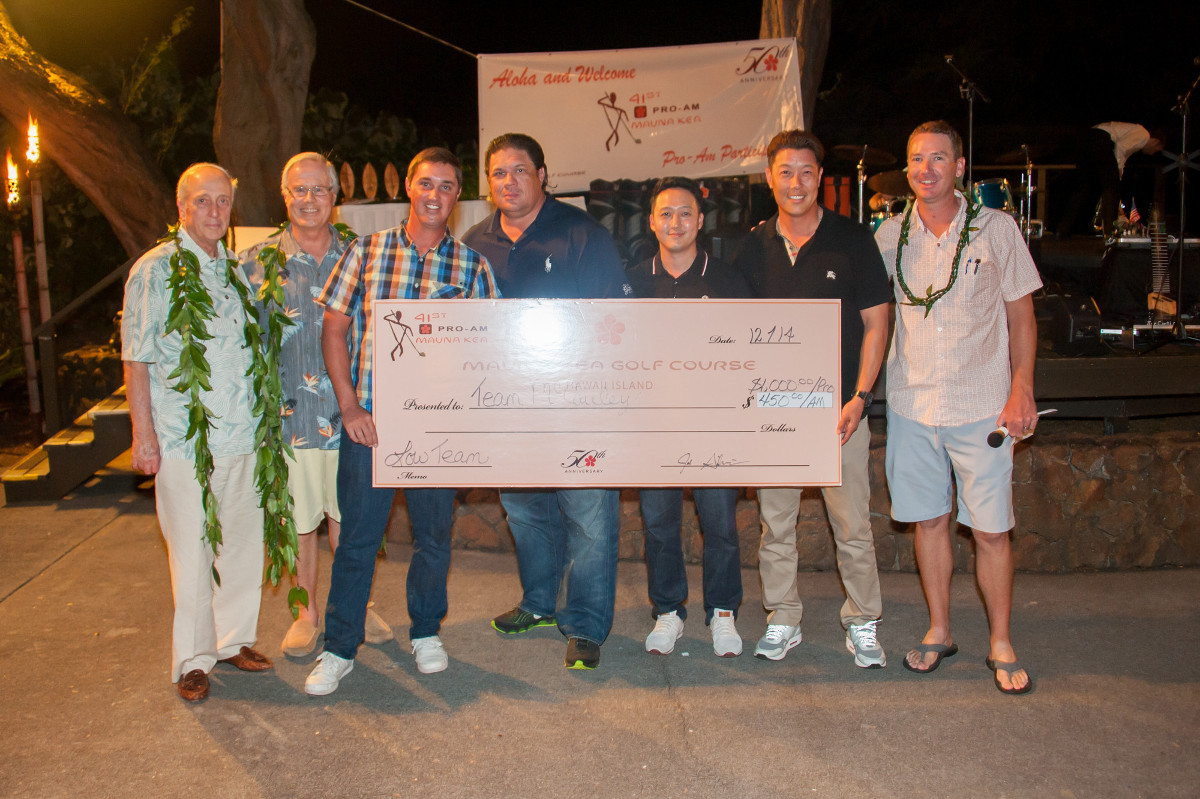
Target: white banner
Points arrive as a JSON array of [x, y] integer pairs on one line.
[[703, 110]]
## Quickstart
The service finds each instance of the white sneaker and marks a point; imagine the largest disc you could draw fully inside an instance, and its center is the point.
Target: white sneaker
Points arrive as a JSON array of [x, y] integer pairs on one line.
[[667, 630], [862, 640], [430, 654], [778, 639], [726, 641], [329, 672]]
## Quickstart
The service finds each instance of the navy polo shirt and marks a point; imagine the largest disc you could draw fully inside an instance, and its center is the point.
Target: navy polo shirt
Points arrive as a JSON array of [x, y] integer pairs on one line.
[[706, 277], [563, 254]]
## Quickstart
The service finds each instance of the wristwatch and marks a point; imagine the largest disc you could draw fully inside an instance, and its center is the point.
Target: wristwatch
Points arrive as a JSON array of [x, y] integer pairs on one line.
[[867, 397]]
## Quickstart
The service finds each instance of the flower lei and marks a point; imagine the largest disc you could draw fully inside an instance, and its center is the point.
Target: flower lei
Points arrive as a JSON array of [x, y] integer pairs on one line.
[[964, 239]]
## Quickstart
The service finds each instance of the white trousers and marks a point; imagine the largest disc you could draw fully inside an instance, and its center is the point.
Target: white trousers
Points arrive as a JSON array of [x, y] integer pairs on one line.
[[211, 622]]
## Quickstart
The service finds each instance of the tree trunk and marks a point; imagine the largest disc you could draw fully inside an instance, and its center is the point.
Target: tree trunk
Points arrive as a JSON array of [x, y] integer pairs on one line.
[[267, 50], [98, 149], [810, 21]]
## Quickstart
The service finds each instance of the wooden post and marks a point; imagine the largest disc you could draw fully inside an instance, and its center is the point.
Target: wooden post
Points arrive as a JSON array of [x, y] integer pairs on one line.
[[35, 401], [39, 248]]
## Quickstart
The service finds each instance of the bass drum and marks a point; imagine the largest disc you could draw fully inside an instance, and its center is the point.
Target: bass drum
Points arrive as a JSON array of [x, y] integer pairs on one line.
[[878, 218], [887, 208], [994, 193]]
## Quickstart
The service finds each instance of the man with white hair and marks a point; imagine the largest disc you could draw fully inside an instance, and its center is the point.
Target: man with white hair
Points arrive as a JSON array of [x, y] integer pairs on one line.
[[305, 251], [216, 620]]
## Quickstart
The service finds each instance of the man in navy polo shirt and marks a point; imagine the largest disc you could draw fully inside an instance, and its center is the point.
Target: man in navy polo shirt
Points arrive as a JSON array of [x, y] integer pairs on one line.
[[681, 268], [567, 538]]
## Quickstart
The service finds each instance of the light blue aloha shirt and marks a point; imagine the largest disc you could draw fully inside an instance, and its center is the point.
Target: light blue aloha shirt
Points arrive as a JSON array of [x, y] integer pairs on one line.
[[311, 419], [147, 301]]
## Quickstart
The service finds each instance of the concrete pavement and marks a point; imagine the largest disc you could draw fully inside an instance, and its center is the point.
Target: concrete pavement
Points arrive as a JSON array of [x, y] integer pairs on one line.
[[88, 709]]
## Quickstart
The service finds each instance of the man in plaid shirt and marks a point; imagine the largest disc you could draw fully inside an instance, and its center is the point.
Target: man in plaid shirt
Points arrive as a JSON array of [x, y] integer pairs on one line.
[[419, 259]]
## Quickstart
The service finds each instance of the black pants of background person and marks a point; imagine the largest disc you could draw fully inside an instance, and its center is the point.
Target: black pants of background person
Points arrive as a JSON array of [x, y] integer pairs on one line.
[[1096, 178]]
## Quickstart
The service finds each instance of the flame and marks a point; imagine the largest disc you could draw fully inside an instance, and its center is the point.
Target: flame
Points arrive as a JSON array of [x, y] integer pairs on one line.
[[33, 153], [14, 191]]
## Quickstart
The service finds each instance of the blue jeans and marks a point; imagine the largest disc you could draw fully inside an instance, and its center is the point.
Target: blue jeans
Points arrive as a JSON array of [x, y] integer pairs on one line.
[[365, 512], [567, 555], [662, 514]]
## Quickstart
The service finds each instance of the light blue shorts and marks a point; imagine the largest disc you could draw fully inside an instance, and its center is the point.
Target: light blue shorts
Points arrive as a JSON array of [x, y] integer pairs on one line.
[[924, 464]]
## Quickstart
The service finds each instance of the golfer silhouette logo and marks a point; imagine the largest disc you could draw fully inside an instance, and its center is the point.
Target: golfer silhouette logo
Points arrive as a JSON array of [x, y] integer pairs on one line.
[[401, 331], [617, 118]]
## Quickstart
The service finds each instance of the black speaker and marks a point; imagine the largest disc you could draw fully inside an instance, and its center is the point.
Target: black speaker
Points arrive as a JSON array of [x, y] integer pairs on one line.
[[1126, 278], [1074, 324]]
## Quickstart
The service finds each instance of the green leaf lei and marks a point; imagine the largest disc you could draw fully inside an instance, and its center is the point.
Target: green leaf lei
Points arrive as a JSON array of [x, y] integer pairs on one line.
[[189, 310], [964, 239], [188, 313], [271, 467]]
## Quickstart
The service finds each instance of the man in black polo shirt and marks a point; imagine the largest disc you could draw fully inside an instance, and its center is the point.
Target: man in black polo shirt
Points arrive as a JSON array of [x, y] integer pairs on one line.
[[540, 247], [807, 252], [682, 269]]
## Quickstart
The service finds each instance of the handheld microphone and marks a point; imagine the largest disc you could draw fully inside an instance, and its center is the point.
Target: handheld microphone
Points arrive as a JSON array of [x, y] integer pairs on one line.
[[997, 436]]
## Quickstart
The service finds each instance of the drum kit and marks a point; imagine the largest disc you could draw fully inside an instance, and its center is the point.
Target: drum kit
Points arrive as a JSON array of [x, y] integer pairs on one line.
[[892, 192]]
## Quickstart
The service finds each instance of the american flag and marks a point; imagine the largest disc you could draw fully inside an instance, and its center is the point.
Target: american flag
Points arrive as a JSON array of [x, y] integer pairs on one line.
[[1134, 216]]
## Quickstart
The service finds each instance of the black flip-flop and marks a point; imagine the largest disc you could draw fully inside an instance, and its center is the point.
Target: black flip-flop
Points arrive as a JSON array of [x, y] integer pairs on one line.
[[941, 650], [1010, 668]]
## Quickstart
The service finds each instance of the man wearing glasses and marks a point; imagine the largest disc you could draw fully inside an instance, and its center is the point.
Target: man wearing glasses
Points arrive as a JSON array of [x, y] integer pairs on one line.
[[309, 246]]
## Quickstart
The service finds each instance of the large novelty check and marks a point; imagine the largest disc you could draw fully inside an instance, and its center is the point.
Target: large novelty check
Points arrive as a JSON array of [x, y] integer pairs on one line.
[[606, 393]]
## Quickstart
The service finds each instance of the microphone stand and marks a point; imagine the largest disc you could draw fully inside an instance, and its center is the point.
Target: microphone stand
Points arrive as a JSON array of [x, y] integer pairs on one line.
[[862, 180], [1184, 162], [968, 91], [1027, 194]]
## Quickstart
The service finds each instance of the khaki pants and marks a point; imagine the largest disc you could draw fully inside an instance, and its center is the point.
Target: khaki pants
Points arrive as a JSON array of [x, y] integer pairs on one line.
[[849, 511], [211, 622]]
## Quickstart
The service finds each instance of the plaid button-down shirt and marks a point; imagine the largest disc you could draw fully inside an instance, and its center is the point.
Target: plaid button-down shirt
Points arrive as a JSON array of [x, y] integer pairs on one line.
[[953, 367], [387, 266]]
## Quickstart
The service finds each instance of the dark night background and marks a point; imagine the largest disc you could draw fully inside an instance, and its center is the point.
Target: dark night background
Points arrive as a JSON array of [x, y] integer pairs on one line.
[[1050, 69], [1047, 67]]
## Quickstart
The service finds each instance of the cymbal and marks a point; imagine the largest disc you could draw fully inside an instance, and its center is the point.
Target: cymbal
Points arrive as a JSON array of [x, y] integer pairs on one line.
[[1017, 156], [893, 184], [874, 156]]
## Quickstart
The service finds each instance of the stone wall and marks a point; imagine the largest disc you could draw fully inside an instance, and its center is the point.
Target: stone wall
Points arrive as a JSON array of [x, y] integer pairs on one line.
[[1082, 502]]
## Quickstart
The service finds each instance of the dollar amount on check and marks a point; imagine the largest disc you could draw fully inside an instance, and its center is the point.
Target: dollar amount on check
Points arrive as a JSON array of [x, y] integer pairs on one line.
[[607, 393]]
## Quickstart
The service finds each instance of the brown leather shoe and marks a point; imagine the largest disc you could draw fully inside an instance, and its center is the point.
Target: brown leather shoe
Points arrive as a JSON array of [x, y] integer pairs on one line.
[[193, 686], [248, 660]]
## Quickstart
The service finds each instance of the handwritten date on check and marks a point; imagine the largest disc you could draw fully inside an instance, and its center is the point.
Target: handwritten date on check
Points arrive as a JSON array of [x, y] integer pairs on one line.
[[607, 393]]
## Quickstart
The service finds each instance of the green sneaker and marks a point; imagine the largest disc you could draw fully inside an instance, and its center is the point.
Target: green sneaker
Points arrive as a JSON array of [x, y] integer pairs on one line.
[[521, 621], [582, 654]]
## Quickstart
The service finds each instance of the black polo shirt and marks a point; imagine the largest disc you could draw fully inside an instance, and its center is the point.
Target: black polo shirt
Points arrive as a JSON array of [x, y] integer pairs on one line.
[[706, 277], [841, 261], [563, 254]]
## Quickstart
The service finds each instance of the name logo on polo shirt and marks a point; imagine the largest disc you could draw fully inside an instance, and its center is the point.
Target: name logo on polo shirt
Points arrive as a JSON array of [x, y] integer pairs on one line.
[[548, 263], [831, 275]]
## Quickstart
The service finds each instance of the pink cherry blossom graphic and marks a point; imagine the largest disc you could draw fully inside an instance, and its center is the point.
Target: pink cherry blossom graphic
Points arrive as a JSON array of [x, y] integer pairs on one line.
[[590, 460], [771, 63], [610, 330]]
